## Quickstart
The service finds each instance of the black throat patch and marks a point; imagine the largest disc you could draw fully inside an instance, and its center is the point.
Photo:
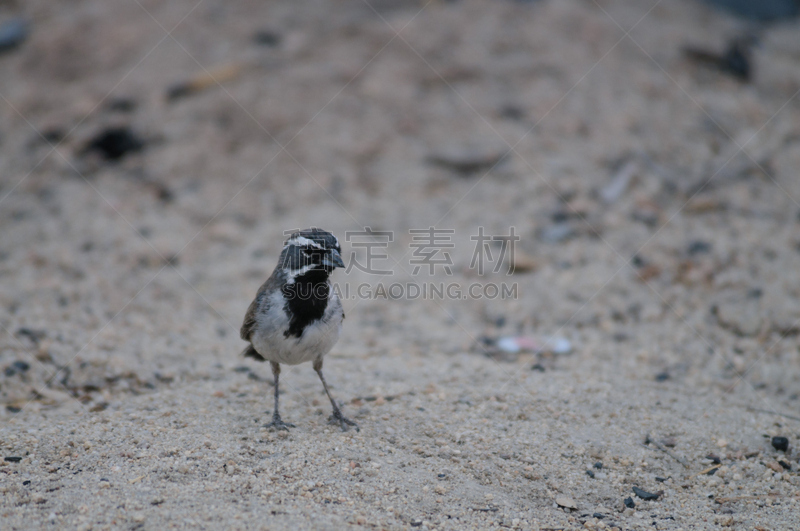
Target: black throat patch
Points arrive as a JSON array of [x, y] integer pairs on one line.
[[306, 300]]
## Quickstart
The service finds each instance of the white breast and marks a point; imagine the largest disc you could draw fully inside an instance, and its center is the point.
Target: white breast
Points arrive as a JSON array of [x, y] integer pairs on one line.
[[317, 339]]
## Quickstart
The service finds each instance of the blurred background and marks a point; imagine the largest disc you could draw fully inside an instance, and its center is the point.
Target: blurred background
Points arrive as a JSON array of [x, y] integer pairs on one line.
[[152, 155]]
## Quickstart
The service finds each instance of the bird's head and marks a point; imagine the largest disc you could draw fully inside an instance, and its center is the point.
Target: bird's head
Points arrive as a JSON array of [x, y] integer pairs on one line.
[[310, 250]]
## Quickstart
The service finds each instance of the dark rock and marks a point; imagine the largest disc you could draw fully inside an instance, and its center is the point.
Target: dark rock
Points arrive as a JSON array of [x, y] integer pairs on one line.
[[629, 503], [52, 135], [512, 112], [590, 474], [643, 494], [13, 33], [662, 376], [780, 443], [734, 61], [763, 10], [124, 105], [698, 247], [32, 334], [13, 459], [598, 465], [468, 161], [114, 143], [557, 233], [267, 38]]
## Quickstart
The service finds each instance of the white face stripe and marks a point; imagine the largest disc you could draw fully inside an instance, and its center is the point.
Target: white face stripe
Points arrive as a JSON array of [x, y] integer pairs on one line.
[[302, 240], [292, 273]]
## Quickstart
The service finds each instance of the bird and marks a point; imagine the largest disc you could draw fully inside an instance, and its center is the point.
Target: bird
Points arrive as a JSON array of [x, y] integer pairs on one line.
[[296, 315]]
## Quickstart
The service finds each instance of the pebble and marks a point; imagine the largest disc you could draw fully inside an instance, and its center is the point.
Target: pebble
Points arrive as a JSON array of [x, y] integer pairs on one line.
[[698, 247], [780, 443], [13, 33], [629, 503], [557, 233], [466, 160], [113, 143], [643, 494], [552, 344], [267, 38], [763, 10], [741, 317], [619, 183], [566, 501]]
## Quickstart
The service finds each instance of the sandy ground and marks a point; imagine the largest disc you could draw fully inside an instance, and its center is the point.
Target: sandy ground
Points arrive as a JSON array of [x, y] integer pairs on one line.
[[656, 200]]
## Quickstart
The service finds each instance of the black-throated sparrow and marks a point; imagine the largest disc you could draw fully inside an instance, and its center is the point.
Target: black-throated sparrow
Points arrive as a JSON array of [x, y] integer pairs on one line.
[[296, 315]]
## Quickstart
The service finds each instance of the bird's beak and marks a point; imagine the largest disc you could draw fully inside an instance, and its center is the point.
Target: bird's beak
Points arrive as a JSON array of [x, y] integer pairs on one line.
[[332, 259]]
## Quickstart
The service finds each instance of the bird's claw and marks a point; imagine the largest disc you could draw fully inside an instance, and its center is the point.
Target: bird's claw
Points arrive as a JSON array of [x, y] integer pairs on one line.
[[342, 421], [278, 424]]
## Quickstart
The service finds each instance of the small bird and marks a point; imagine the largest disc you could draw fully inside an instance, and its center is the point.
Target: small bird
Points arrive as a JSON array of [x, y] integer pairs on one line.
[[296, 315]]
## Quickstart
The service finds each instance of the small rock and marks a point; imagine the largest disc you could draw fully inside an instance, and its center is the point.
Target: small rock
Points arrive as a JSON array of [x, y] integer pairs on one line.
[[629, 503], [643, 494], [698, 247], [780, 443], [13, 33], [567, 502], [774, 466], [32, 334], [557, 233], [724, 520], [467, 161], [551, 344], [619, 183], [13, 459], [741, 317], [113, 143], [764, 10], [267, 38]]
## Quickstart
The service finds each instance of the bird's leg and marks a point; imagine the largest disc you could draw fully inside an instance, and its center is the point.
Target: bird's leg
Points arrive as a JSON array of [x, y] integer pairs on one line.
[[277, 423], [336, 417]]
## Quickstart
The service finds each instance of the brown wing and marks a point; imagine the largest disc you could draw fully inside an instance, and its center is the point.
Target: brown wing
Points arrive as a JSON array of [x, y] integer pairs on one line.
[[250, 317], [249, 321]]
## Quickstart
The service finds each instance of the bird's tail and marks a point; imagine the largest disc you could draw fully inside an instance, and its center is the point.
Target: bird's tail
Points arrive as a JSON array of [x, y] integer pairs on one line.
[[250, 352]]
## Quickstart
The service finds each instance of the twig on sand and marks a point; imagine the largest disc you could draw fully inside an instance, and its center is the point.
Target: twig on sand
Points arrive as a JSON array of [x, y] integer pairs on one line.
[[666, 450], [774, 413]]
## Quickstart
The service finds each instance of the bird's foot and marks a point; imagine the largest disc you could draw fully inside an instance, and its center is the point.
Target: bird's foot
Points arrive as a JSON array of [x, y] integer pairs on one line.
[[342, 421], [278, 424]]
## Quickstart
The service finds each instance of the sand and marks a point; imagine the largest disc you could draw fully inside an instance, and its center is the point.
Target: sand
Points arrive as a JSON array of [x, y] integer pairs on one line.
[[656, 200]]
